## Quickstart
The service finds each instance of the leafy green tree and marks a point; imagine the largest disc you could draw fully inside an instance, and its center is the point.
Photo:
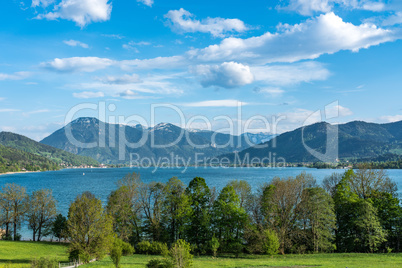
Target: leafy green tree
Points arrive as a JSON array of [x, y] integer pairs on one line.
[[151, 201], [198, 231], [13, 200], [243, 191], [59, 228], [125, 213], [90, 229], [41, 212], [371, 234], [229, 218], [389, 214], [317, 217], [176, 209], [279, 206]]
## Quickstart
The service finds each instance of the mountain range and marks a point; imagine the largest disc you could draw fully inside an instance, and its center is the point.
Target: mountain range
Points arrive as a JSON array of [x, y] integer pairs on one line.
[[115, 143], [356, 140]]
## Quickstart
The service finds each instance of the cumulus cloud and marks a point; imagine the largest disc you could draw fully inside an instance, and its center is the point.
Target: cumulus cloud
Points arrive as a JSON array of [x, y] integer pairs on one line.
[[146, 2], [88, 95], [82, 12], [227, 75], [325, 34], [292, 74], [183, 21], [14, 76], [74, 43], [78, 64], [309, 7], [121, 80]]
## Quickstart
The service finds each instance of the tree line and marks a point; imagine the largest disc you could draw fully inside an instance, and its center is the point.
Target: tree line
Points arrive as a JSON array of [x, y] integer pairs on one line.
[[358, 211]]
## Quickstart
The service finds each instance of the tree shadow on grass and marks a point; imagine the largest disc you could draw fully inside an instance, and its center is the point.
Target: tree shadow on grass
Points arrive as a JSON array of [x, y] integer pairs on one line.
[[17, 261]]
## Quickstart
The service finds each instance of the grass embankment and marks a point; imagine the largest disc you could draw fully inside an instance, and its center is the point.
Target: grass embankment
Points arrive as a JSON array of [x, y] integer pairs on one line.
[[308, 260], [20, 254]]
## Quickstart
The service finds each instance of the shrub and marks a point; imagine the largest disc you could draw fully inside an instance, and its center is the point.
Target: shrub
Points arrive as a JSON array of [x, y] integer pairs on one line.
[[271, 243], [158, 263], [214, 243], [116, 254], [44, 263], [158, 248], [143, 247], [126, 248], [180, 255]]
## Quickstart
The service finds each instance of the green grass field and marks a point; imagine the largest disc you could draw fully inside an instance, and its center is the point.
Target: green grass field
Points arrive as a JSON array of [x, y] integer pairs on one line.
[[308, 260], [19, 254]]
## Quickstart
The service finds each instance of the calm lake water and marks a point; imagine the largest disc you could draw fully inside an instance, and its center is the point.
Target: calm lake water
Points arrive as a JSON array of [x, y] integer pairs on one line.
[[68, 183]]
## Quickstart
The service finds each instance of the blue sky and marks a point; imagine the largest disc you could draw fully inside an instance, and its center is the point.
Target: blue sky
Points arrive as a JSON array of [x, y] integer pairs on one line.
[[284, 59]]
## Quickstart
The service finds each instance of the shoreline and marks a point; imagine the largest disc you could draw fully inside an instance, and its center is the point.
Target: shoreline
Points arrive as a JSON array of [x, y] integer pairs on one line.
[[19, 172]]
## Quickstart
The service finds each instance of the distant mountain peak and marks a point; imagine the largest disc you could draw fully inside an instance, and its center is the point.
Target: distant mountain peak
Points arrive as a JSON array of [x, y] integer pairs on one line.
[[85, 120]]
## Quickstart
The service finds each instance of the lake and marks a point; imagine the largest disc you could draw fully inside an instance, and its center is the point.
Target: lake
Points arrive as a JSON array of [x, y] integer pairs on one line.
[[68, 183]]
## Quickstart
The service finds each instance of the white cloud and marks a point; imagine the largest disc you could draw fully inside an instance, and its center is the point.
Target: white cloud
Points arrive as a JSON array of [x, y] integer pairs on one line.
[[9, 110], [393, 19], [290, 74], [88, 95], [14, 76], [271, 91], [74, 43], [121, 80], [182, 21], [114, 36], [391, 118], [129, 95], [325, 34], [78, 64], [156, 63], [129, 47], [82, 12], [43, 3], [309, 7], [227, 75], [146, 2], [216, 103], [1, 99]]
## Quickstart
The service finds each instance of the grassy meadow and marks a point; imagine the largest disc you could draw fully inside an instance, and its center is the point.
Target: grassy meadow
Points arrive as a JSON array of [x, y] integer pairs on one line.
[[19, 254]]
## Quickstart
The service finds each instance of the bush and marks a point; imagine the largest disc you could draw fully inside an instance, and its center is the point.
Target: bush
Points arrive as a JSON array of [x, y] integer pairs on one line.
[[214, 243], [158, 263], [143, 247], [126, 248], [158, 248], [271, 243], [116, 254], [44, 263], [236, 248], [179, 254]]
